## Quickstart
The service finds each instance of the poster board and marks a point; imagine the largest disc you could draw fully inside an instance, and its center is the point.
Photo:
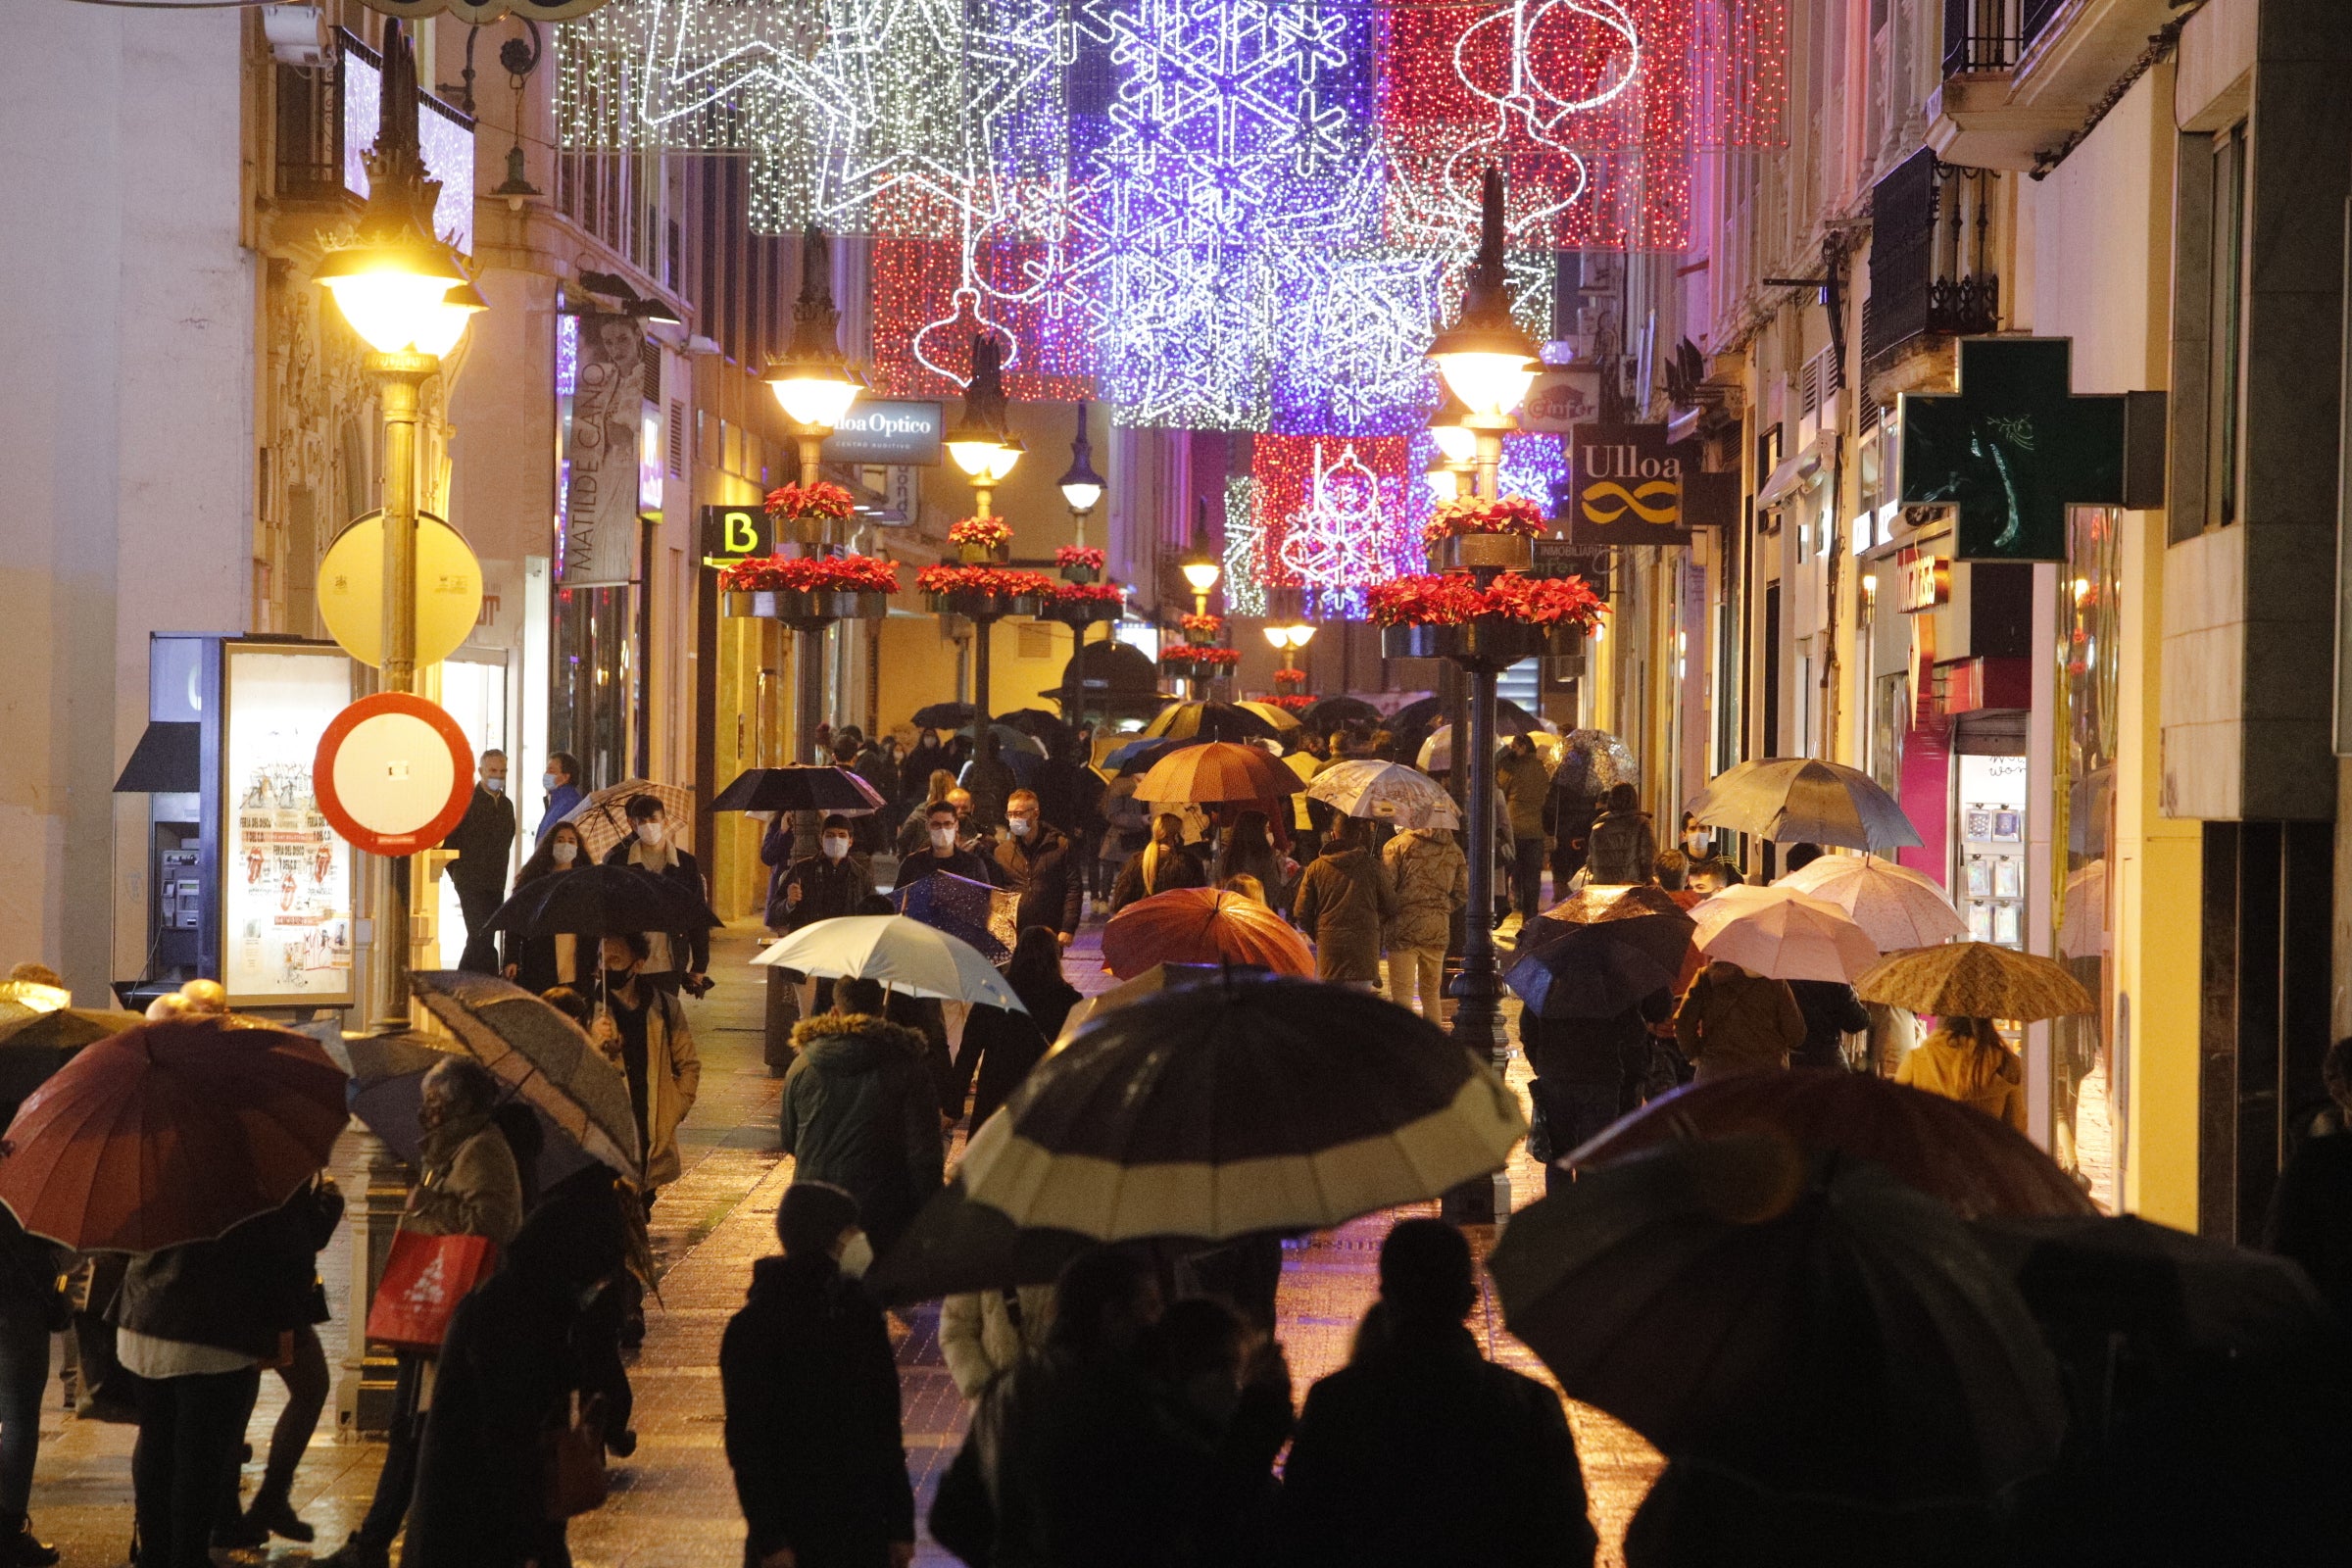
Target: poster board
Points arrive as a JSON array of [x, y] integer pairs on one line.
[[287, 881]]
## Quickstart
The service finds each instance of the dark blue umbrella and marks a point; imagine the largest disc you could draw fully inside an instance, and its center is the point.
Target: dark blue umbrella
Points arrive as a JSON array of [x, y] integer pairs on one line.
[[973, 912], [1138, 754]]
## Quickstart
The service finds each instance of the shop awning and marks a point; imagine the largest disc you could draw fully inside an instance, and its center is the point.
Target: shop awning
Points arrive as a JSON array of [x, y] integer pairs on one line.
[[168, 760], [1786, 478]]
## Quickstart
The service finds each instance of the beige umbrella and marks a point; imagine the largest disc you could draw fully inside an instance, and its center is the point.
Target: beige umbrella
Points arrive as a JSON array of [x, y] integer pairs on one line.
[[1976, 980], [1782, 934], [1898, 906], [1801, 800]]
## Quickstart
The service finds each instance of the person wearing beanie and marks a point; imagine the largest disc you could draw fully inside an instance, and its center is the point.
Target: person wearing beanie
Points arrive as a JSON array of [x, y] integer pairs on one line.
[[812, 1394], [1421, 1451]]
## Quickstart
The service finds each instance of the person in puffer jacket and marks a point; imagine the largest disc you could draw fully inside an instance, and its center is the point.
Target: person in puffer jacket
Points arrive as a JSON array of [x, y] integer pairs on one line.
[[861, 1110]]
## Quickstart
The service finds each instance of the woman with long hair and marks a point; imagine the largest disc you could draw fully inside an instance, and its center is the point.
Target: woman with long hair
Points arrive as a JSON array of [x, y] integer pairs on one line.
[[1966, 1059], [1249, 850], [545, 959]]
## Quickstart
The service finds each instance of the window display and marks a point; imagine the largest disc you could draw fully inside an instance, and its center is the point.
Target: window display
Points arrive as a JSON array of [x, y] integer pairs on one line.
[[286, 877]]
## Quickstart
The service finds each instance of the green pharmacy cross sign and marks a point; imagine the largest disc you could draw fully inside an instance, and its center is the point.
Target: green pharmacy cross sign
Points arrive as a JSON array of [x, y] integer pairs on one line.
[[2013, 448]]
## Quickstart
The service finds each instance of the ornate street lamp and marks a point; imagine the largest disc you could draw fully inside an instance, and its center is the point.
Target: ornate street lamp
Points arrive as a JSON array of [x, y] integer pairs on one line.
[[409, 299], [1457, 448], [1488, 361], [984, 446], [1082, 487]]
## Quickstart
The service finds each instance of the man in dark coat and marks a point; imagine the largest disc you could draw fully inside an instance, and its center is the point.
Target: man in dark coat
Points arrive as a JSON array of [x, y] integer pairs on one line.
[[811, 1392], [1421, 1452], [679, 957], [1035, 860], [861, 1112], [483, 840], [1831, 1013], [508, 1372], [1588, 1071], [942, 853]]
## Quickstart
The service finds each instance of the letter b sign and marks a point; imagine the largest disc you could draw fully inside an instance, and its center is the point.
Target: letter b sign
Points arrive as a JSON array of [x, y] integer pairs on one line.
[[732, 533]]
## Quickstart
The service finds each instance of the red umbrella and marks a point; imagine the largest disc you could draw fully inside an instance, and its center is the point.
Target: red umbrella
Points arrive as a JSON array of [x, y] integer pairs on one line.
[[1218, 770], [171, 1133], [1202, 925], [1974, 1162]]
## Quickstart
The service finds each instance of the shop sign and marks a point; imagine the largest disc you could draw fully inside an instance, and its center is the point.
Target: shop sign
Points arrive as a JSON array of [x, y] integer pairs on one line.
[[1564, 558], [735, 533], [1561, 398], [1626, 486], [1927, 580], [889, 431], [600, 451]]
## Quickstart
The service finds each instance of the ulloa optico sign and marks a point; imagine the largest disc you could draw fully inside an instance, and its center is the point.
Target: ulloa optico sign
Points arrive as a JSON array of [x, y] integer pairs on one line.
[[897, 434]]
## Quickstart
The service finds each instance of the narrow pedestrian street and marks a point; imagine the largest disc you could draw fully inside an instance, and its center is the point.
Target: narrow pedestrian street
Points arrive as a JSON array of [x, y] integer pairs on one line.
[[673, 1505]]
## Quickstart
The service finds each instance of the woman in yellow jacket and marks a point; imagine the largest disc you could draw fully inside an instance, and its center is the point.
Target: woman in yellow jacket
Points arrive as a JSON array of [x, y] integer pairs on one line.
[[1965, 1060]]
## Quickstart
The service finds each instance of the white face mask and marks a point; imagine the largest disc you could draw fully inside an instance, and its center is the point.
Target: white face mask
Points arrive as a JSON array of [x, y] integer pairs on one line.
[[857, 1256], [564, 854], [943, 839], [548, 781], [1021, 826], [1697, 843], [496, 786], [650, 832], [835, 846]]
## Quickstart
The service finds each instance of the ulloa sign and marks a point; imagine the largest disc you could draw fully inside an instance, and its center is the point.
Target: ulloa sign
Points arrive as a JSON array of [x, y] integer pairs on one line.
[[1627, 487]]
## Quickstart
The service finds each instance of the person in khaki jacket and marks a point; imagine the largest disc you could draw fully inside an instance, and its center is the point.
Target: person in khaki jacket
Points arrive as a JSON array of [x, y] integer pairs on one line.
[[1433, 884], [1966, 1059], [982, 1333], [1732, 1021]]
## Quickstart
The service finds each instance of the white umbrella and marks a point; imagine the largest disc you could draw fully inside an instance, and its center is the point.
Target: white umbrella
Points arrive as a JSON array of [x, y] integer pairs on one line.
[[1894, 905], [1783, 934], [1437, 752], [904, 954], [1389, 791]]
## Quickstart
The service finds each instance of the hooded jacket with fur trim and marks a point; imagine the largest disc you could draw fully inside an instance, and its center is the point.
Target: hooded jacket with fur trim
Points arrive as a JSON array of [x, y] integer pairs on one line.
[[860, 1111]]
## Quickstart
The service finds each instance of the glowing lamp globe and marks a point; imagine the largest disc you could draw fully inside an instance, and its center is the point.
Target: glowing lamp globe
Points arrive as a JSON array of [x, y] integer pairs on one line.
[[401, 298], [1279, 636], [1201, 571], [812, 396], [1301, 634], [1450, 429], [983, 454], [1081, 495], [1491, 383]]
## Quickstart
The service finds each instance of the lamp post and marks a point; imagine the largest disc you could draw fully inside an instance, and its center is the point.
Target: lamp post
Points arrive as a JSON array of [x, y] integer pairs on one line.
[[814, 384], [1488, 363], [403, 291], [1201, 569], [1457, 448], [1082, 487], [984, 446]]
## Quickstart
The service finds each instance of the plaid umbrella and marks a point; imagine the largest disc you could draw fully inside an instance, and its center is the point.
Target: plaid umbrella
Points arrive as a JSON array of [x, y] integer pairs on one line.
[[1975, 980], [974, 913], [603, 818]]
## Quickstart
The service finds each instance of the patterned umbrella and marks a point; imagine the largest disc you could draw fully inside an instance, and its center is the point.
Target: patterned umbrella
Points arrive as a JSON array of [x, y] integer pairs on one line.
[[1773, 931], [975, 914], [1799, 799], [1202, 925], [1601, 760], [1217, 772], [1386, 791], [1975, 980], [1898, 906], [603, 818], [1976, 1163], [1243, 1105]]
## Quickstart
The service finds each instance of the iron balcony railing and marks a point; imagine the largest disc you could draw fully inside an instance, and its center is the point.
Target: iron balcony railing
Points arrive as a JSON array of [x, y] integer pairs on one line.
[[1929, 259]]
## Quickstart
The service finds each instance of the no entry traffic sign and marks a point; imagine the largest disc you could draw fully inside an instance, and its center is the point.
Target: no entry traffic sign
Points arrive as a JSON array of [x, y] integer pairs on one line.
[[393, 773]]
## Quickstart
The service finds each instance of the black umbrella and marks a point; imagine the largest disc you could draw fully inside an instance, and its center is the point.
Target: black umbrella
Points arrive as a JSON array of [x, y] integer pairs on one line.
[[1210, 721], [1809, 1324], [1217, 1110], [1041, 725], [1337, 712], [1427, 714], [1137, 756], [602, 901], [799, 789], [34, 1047], [956, 1245], [945, 715], [1597, 971]]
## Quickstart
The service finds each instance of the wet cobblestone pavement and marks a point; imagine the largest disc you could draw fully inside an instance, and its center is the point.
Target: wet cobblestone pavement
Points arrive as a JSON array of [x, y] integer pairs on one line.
[[673, 1503]]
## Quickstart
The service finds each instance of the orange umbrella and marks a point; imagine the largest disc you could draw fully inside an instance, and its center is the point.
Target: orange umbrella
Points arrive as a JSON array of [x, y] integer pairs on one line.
[[1218, 770], [1202, 925], [1974, 1162]]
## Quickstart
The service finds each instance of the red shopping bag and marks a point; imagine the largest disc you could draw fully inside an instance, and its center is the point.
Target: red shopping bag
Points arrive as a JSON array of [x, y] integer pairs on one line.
[[425, 1280]]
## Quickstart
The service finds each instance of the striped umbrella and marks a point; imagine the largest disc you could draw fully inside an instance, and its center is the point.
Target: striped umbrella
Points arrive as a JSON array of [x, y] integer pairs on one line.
[[549, 1060], [1801, 800], [1975, 980], [1217, 772], [1218, 1110], [1210, 721], [1202, 925]]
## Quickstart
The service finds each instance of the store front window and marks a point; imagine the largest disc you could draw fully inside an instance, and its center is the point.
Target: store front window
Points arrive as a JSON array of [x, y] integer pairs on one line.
[[2087, 1077]]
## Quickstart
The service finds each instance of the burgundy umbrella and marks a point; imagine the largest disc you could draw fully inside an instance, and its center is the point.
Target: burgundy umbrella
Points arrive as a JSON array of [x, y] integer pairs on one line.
[[171, 1133]]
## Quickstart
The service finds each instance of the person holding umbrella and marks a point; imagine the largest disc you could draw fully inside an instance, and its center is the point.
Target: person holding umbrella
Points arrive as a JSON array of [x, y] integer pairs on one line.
[[942, 850], [1733, 1022], [677, 958], [469, 1186], [833, 882], [1433, 886], [538, 960], [31, 1308], [1966, 1059], [644, 1027]]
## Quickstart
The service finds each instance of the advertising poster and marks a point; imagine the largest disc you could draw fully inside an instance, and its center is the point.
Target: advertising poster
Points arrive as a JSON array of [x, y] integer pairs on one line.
[[605, 424], [286, 879]]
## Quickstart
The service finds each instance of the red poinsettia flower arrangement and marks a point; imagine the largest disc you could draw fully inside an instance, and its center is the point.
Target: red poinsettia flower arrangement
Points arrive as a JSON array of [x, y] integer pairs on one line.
[[823, 574], [985, 533], [1086, 556], [1002, 582], [1295, 702], [1081, 593], [1451, 598], [823, 500], [1479, 514], [1194, 654], [1298, 675], [1199, 625]]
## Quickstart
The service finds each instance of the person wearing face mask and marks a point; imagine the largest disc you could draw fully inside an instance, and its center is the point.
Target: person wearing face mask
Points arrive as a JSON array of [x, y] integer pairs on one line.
[[825, 885], [861, 1110], [543, 960], [1698, 839], [483, 840], [562, 782], [1035, 861], [943, 850], [811, 1388], [644, 1028], [678, 958]]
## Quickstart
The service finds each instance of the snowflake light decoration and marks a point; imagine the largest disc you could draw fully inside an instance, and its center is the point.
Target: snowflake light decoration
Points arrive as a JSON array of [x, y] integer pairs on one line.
[[1245, 582]]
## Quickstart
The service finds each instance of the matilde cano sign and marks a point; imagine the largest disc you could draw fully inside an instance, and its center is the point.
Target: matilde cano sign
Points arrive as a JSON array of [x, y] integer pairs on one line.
[[900, 434]]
